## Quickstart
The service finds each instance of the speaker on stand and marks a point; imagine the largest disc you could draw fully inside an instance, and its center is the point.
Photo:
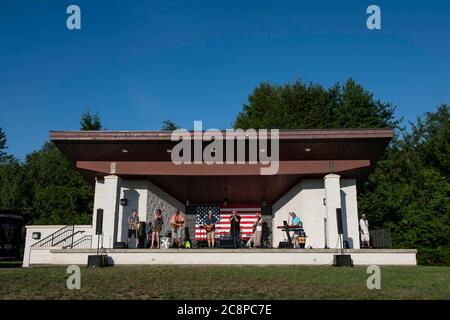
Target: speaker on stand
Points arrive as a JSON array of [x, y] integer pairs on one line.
[[341, 260], [98, 260]]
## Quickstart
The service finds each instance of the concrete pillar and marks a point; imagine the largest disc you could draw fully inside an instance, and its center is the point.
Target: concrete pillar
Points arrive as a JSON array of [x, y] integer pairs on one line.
[[107, 197], [349, 205], [333, 201]]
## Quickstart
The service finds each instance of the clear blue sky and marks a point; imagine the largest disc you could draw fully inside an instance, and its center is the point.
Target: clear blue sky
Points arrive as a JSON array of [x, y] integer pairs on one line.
[[138, 63]]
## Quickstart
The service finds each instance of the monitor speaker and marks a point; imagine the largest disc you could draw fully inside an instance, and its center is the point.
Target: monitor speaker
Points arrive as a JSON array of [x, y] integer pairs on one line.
[[190, 209], [99, 224], [340, 228], [97, 261], [343, 260], [266, 210]]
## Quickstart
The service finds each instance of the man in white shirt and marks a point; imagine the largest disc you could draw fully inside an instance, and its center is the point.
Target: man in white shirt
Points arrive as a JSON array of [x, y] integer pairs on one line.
[[364, 232]]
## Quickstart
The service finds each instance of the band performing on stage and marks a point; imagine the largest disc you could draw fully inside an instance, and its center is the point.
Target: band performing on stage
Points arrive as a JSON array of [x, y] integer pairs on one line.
[[233, 231]]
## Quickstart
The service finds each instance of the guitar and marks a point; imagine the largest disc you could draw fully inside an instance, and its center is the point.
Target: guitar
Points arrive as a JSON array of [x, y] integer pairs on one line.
[[208, 227], [176, 225]]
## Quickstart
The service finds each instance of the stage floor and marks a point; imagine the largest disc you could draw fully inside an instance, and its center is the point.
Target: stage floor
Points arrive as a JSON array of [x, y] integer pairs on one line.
[[205, 256]]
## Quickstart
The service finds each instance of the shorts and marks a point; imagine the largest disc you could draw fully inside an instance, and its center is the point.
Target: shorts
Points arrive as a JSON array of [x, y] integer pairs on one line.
[[210, 235], [365, 237], [131, 233], [176, 233]]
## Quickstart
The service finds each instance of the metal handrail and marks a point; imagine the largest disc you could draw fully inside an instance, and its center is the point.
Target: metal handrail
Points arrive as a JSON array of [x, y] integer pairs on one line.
[[50, 237], [85, 239], [58, 237], [71, 236]]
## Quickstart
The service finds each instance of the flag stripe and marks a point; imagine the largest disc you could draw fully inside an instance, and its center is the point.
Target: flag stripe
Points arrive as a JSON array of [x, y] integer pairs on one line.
[[222, 214]]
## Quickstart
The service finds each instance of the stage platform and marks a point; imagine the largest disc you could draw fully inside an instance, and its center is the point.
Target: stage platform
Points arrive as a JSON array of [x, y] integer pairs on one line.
[[49, 256]]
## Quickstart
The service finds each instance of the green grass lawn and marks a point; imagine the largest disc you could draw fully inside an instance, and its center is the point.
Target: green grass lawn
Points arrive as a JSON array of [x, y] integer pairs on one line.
[[225, 282]]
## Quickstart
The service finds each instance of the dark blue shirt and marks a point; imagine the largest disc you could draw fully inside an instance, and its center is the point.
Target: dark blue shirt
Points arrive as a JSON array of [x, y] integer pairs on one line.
[[213, 220]]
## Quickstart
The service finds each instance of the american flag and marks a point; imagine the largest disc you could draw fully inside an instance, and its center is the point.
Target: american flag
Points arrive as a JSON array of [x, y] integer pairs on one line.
[[222, 214]]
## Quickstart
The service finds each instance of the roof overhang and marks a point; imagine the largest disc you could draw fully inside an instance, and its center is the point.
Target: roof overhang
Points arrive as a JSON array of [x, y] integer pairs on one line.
[[145, 154]]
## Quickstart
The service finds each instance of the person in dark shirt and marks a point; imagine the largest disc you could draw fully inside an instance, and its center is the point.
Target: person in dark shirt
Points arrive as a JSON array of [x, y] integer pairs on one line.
[[235, 228]]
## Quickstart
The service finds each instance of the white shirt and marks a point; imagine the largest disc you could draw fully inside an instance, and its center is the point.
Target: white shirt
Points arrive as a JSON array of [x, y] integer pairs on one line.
[[364, 225]]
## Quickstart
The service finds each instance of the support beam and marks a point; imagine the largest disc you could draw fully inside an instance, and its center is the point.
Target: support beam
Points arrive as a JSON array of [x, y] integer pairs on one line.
[[168, 168]]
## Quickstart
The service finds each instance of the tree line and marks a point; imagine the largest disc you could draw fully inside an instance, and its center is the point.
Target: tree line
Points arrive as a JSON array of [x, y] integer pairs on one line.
[[407, 192]]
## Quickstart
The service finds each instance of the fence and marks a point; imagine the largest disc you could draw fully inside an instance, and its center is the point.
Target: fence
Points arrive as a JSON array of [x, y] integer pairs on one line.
[[381, 239]]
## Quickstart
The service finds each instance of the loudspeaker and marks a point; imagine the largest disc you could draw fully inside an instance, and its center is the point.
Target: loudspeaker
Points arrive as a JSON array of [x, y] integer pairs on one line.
[[340, 228], [141, 232], [343, 260], [187, 236], [97, 261], [190, 209], [119, 245], [266, 210], [99, 224]]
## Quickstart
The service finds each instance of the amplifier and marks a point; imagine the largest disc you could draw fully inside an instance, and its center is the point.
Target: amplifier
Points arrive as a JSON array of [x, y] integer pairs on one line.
[[284, 245], [119, 245], [97, 261], [202, 244], [226, 243], [168, 234]]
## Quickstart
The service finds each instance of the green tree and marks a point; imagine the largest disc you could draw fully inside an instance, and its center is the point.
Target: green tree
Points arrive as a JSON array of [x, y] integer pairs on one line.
[[2, 144], [57, 193], [310, 106], [409, 190], [90, 122], [356, 108], [11, 178], [433, 133], [12, 188], [169, 125]]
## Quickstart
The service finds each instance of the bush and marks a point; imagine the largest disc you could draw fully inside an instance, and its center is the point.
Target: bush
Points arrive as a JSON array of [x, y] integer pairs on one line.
[[433, 256]]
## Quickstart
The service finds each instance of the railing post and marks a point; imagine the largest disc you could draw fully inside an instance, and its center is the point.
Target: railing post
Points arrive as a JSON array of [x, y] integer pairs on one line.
[[73, 230]]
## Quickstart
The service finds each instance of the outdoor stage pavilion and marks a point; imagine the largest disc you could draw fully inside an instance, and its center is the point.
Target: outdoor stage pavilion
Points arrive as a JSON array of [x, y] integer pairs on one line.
[[319, 171]]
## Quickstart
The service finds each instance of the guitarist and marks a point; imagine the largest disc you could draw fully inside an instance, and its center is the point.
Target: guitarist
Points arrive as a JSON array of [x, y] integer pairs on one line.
[[133, 223], [177, 223], [210, 228]]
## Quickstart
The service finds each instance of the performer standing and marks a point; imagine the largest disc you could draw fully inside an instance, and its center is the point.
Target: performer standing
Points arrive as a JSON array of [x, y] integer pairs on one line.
[[133, 222], [157, 227], [177, 223], [235, 228], [257, 231], [210, 228], [364, 232]]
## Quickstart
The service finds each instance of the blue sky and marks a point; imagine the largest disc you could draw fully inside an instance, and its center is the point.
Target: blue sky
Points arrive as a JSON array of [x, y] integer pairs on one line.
[[138, 63]]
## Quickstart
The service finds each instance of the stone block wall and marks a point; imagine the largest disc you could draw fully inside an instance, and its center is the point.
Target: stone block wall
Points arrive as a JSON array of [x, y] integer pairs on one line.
[[159, 199]]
